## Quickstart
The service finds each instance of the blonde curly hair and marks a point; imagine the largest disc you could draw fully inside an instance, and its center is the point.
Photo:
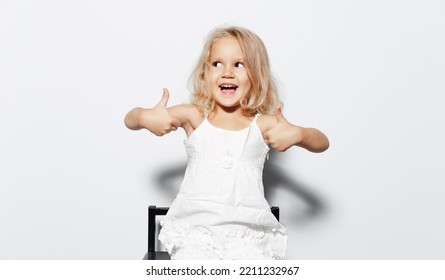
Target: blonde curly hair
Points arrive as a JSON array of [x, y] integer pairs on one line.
[[263, 97]]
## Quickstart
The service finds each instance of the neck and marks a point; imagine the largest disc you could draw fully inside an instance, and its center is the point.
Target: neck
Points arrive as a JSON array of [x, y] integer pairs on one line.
[[228, 112], [232, 119]]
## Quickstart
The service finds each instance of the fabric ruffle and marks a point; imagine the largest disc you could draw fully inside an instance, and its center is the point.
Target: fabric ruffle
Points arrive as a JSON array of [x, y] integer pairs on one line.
[[232, 242]]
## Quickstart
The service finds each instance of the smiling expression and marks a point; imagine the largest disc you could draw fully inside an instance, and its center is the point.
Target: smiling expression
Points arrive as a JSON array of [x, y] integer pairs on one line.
[[229, 80]]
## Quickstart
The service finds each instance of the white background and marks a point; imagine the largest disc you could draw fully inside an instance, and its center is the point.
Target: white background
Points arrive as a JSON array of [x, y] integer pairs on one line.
[[75, 183]]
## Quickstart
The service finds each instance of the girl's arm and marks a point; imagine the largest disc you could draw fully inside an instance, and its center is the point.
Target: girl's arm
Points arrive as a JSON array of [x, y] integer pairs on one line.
[[159, 120], [281, 135]]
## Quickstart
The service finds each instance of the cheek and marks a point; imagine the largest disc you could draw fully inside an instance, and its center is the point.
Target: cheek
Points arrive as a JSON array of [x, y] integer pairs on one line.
[[244, 77], [246, 82], [214, 75]]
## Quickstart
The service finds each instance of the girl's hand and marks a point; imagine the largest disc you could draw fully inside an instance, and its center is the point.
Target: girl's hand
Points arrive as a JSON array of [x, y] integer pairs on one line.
[[157, 119], [284, 134]]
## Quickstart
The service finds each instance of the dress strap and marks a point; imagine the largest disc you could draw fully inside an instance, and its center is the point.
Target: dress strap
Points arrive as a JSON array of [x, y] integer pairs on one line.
[[256, 118]]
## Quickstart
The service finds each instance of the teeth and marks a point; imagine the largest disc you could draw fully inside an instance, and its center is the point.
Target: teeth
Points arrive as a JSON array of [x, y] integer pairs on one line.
[[228, 86]]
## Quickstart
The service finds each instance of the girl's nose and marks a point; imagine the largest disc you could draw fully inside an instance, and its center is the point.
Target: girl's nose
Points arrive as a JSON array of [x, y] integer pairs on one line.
[[228, 72]]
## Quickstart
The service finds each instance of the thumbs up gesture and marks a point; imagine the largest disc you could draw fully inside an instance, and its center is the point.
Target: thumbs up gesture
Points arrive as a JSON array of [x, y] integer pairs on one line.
[[284, 134], [157, 119], [163, 122]]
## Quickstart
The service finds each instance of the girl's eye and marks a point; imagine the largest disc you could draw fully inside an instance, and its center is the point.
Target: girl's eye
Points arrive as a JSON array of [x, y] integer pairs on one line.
[[239, 65], [216, 64]]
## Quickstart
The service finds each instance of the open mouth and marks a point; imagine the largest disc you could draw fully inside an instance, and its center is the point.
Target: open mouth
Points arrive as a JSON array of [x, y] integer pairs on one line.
[[228, 88]]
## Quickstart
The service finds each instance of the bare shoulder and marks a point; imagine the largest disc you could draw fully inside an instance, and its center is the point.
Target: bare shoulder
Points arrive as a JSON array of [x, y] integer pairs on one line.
[[266, 122]]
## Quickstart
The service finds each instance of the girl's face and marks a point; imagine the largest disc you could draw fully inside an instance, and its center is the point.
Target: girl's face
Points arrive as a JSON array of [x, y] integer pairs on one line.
[[229, 81]]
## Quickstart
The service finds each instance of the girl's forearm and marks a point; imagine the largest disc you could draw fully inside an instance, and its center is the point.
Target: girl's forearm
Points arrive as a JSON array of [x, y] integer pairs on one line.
[[314, 140], [157, 120], [132, 119]]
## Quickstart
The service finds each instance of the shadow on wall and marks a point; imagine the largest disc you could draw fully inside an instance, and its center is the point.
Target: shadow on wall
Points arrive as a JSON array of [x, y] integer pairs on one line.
[[168, 180], [274, 177]]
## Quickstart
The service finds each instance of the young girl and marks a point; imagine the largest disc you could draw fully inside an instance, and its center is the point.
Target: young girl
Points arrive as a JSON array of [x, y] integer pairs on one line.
[[220, 211]]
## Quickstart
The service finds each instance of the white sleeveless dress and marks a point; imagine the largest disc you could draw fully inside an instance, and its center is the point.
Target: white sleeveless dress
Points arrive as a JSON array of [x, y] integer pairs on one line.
[[220, 211]]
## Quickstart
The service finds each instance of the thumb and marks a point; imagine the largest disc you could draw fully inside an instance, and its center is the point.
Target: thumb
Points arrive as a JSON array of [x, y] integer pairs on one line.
[[279, 115], [164, 99]]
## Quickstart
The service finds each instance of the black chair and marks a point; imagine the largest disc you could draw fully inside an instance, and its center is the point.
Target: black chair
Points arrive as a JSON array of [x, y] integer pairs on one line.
[[152, 254], [154, 211]]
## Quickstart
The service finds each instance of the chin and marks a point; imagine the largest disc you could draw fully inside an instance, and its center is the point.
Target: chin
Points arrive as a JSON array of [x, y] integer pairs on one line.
[[226, 102]]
